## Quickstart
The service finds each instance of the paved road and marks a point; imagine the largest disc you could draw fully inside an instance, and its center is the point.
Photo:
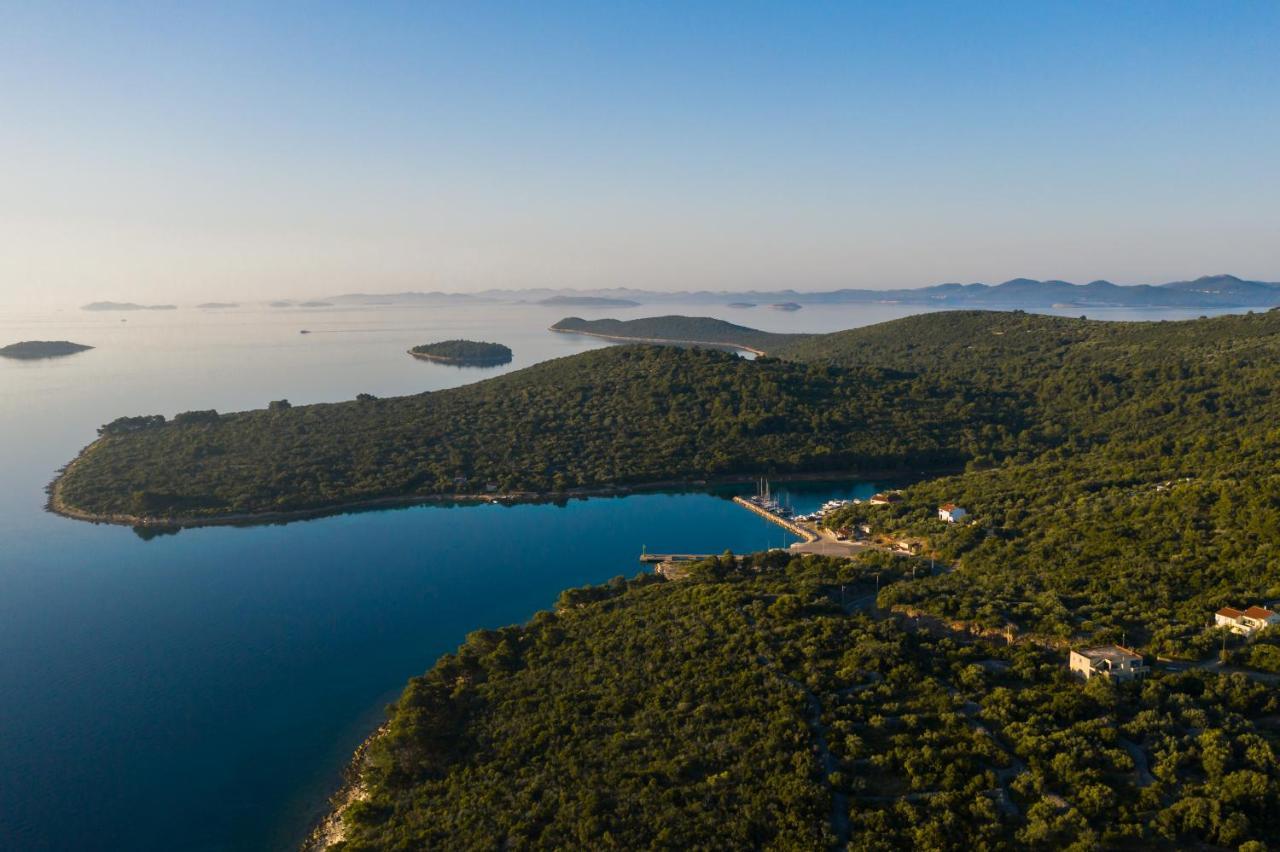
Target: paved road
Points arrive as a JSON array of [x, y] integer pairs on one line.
[[830, 547]]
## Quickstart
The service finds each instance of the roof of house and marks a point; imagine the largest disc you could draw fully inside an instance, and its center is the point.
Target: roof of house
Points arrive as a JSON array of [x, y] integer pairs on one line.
[[950, 507], [886, 497], [1113, 653], [1229, 612], [1258, 612]]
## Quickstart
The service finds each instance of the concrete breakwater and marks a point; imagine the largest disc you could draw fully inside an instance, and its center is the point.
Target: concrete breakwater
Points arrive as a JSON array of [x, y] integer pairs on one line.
[[789, 525]]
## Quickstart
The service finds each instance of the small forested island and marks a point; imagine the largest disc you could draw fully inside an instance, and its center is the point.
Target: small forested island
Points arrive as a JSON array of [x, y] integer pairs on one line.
[[466, 353], [742, 304], [217, 305], [125, 306], [786, 306], [589, 302], [32, 349], [681, 330]]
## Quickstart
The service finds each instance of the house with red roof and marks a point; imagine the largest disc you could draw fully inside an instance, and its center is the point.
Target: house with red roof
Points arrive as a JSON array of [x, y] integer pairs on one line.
[[1245, 622]]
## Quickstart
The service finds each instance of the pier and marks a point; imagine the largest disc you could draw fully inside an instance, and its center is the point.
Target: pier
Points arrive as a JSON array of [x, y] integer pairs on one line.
[[656, 558], [807, 535]]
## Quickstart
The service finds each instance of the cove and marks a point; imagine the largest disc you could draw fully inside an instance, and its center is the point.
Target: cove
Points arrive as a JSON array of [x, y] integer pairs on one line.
[[203, 690]]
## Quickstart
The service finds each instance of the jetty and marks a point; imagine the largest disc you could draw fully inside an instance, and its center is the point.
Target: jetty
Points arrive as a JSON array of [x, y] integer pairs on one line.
[[771, 514], [656, 558]]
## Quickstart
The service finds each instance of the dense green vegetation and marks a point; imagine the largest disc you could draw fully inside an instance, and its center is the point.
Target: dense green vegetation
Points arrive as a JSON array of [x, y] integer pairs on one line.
[[463, 352], [746, 708], [705, 330], [613, 416], [1149, 495], [29, 349]]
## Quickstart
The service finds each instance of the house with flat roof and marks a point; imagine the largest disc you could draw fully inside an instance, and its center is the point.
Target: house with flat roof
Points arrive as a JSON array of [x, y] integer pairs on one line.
[[1111, 661], [1245, 622], [951, 513]]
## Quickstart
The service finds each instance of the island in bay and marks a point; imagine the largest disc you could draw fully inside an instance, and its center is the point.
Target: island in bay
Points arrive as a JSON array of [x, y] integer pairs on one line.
[[1057, 634], [679, 330], [463, 353], [34, 349]]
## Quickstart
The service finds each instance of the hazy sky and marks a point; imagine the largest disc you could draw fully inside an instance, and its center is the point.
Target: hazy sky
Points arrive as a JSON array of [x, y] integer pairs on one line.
[[171, 152]]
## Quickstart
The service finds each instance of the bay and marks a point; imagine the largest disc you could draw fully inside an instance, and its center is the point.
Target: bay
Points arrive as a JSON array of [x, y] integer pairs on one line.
[[203, 690]]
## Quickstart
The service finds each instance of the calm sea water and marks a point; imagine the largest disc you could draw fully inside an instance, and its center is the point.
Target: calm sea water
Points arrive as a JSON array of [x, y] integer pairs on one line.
[[203, 690]]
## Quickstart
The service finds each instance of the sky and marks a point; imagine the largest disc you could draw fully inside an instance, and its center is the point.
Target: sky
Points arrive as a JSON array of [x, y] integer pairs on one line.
[[184, 152]]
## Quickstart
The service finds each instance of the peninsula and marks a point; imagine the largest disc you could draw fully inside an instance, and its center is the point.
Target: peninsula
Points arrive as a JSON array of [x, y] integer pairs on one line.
[[1087, 440], [680, 331], [33, 349], [1119, 487], [463, 353]]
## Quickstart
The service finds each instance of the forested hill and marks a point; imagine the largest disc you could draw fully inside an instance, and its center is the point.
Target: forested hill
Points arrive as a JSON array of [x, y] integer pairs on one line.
[[680, 329], [743, 708], [919, 393], [614, 416], [1156, 498]]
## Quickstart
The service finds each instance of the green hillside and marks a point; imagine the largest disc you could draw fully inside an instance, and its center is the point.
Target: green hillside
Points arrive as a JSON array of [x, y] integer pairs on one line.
[[744, 708], [614, 416]]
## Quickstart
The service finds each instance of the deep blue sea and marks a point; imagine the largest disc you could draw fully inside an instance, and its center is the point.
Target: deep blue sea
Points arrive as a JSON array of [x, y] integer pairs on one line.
[[203, 690]]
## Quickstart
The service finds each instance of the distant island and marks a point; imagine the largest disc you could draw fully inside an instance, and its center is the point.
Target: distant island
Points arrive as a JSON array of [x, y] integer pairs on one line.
[[786, 306], [742, 304], [1210, 291], [589, 302], [126, 306], [463, 353], [679, 331], [213, 305], [33, 349]]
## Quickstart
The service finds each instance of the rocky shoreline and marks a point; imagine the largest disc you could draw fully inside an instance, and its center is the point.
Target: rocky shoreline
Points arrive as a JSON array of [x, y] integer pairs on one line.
[[330, 831]]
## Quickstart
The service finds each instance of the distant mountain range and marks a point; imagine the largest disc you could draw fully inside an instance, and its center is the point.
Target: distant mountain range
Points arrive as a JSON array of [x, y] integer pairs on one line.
[[1212, 291]]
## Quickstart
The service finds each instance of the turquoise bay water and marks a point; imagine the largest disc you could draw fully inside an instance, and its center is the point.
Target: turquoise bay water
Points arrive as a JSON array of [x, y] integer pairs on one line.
[[203, 690]]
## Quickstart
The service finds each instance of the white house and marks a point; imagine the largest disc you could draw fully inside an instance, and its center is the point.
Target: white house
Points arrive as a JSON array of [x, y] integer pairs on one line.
[[884, 498], [951, 513], [1110, 661], [1246, 622]]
